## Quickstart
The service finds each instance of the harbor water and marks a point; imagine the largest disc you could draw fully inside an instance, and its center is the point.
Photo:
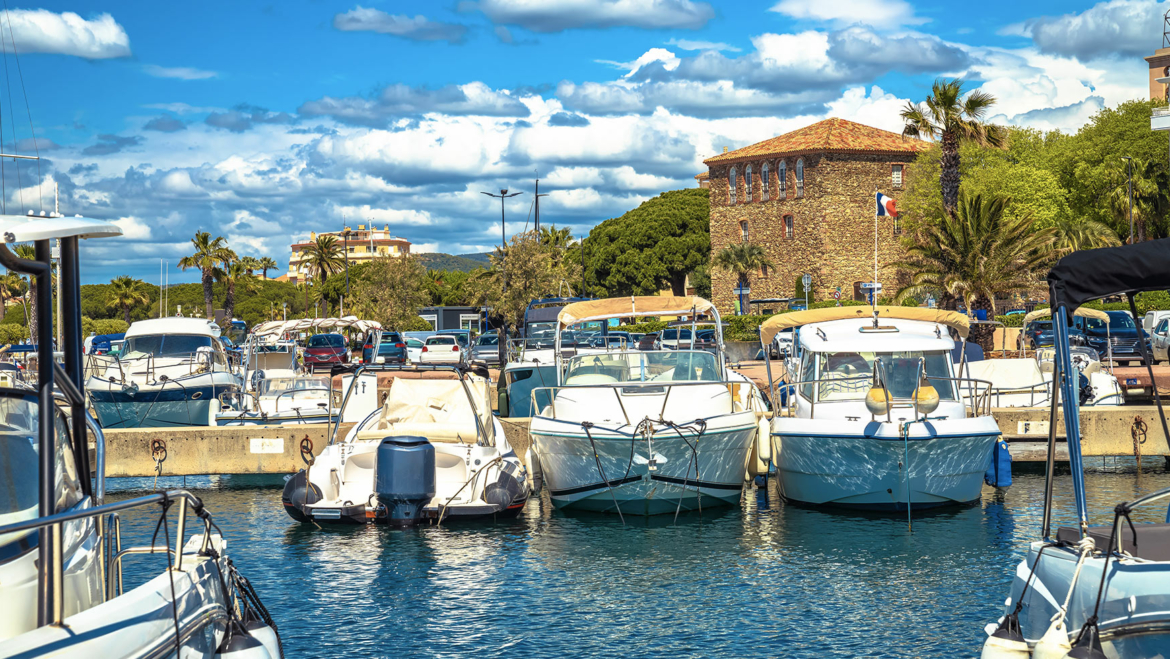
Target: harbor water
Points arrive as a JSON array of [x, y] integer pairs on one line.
[[765, 579]]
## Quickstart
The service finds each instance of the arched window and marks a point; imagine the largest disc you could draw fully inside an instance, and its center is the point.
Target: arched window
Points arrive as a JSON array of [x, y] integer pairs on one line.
[[747, 183], [763, 271], [764, 181], [781, 179], [800, 177], [743, 231], [789, 228], [731, 185]]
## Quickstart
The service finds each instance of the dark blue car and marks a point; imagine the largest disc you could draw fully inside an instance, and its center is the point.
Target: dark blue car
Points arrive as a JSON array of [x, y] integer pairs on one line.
[[1039, 334], [1121, 334], [392, 349]]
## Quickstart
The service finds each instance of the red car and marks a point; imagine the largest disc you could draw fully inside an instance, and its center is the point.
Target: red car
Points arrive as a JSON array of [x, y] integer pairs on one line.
[[325, 350]]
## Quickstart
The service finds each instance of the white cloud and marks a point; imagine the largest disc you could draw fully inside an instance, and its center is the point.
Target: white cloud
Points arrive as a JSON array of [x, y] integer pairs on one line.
[[688, 44], [559, 15], [178, 72], [878, 13], [1117, 27], [182, 108], [668, 59], [42, 31], [399, 100], [417, 28], [133, 228]]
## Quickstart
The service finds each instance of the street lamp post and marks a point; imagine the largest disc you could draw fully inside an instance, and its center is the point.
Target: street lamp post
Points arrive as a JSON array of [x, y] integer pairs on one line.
[[345, 235], [503, 338], [1129, 174]]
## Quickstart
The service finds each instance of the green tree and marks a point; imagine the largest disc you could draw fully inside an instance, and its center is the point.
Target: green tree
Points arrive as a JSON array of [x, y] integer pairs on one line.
[[27, 251], [125, 293], [1150, 200], [527, 271], [975, 254], [651, 247], [267, 263], [1072, 235], [235, 277], [952, 119], [741, 260], [391, 292], [250, 263], [324, 257], [209, 254], [11, 288]]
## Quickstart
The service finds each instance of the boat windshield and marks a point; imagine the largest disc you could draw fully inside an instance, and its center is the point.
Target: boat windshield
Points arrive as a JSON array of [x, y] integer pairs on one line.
[[849, 375], [164, 345], [273, 387], [19, 448], [657, 366]]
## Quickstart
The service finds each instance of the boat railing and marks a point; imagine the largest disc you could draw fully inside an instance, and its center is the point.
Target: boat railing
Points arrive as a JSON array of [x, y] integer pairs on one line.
[[975, 394], [196, 363], [111, 545], [235, 401], [632, 388]]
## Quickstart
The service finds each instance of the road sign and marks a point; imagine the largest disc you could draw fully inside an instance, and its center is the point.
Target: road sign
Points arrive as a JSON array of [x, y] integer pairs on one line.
[[806, 280], [871, 285], [741, 291], [837, 295]]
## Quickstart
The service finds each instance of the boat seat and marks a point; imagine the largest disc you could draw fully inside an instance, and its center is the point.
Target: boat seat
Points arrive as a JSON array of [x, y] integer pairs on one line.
[[1153, 540], [1093, 367], [435, 431]]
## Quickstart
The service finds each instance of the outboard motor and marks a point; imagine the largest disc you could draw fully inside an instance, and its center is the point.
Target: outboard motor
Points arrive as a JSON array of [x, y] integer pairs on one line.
[[506, 489], [404, 478]]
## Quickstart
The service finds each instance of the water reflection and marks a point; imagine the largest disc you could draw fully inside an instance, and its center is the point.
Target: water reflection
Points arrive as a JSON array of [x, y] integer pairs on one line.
[[764, 579]]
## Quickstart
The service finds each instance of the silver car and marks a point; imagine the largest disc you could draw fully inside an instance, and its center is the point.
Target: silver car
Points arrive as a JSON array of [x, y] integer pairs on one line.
[[486, 348]]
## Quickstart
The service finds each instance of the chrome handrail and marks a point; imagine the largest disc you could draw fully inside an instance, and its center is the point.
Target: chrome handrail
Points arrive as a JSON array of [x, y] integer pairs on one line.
[[666, 387], [980, 403]]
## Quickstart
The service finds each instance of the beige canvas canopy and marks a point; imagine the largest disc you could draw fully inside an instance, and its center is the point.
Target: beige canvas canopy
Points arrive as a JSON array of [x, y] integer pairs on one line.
[[774, 325], [621, 307], [1083, 312]]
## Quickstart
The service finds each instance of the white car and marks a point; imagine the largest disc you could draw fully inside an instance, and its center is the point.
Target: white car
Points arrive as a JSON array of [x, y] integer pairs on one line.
[[1160, 341], [414, 350], [782, 345], [674, 338], [441, 349]]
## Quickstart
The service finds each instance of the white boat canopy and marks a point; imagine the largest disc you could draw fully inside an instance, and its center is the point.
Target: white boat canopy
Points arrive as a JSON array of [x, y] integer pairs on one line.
[[621, 307], [1083, 312], [278, 327], [28, 228], [780, 322]]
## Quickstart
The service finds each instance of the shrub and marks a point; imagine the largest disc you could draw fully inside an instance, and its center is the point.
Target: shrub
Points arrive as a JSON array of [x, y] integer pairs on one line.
[[12, 333]]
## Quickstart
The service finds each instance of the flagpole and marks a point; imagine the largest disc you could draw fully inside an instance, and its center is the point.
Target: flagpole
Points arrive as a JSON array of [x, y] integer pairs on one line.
[[875, 247]]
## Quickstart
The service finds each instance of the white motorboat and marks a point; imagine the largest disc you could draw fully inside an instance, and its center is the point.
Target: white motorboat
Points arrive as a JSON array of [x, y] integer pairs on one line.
[[171, 372], [61, 558], [1092, 591], [280, 401], [875, 418], [432, 451], [645, 432]]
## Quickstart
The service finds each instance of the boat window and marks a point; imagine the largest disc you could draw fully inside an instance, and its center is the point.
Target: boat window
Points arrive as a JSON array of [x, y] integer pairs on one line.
[[326, 341], [807, 374], [849, 375], [165, 345], [276, 386], [665, 366], [19, 450]]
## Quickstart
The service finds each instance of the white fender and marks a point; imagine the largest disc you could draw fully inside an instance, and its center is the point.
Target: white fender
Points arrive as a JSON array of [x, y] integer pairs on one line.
[[1054, 644], [1003, 648], [764, 441]]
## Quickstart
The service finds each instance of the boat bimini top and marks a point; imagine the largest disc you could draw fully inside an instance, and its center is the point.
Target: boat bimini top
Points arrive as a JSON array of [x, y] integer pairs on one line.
[[1083, 312], [278, 327], [780, 322]]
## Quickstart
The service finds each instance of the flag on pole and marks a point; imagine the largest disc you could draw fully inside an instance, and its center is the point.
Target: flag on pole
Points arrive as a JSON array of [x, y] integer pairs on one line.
[[885, 206]]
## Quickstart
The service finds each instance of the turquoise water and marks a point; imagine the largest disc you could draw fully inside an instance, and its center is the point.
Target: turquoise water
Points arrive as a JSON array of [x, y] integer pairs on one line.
[[765, 579]]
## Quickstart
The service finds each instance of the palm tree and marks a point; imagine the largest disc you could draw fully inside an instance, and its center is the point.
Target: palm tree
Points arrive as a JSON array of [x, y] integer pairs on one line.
[[125, 293], [234, 276], [27, 251], [1073, 235], [323, 257], [951, 119], [267, 263], [1149, 195], [11, 287], [975, 254], [209, 254], [741, 259], [250, 263]]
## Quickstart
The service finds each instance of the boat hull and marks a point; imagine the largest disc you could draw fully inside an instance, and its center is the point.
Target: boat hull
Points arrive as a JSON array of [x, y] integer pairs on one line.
[[865, 467], [683, 478], [157, 406]]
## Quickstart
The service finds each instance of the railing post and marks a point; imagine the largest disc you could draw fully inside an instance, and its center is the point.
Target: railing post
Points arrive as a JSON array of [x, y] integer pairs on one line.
[[181, 532]]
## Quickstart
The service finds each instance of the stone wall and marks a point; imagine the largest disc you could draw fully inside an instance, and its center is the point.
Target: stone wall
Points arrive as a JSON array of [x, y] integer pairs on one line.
[[833, 224]]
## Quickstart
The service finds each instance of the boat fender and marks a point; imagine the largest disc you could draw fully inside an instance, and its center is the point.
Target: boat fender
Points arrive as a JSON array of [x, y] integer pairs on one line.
[[999, 473], [298, 493], [764, 441], [1006, 642], [1054, 644], [506, 489]]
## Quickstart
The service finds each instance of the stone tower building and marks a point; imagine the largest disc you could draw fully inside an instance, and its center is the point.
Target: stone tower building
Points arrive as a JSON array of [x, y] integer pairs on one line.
[[807, 197]]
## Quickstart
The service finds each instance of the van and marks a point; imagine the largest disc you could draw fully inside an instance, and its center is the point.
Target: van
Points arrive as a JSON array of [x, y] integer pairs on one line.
[[1152, 318]]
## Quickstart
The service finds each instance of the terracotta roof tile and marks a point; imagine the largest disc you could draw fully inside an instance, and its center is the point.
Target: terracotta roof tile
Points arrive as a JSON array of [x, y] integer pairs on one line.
[[702, 175], [832, 134]]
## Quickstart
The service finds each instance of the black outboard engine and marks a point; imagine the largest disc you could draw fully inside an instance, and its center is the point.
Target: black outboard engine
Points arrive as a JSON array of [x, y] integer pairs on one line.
[[404, 478], [506, 489]]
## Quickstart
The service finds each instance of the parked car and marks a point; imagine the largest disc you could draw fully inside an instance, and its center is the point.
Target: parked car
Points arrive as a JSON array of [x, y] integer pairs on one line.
[[463, 336], [1039, 334], [1123, 334], [391, 349], [414, 349], [649, 342], [1160, 341], [487, 348], [1152, 318], [675, 338], [325, 350], [705, 340], [781, 345], [614, 340], [442, 349]]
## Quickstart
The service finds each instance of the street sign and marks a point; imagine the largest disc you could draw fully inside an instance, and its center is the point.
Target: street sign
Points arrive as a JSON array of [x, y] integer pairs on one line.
[[837, 295], [741, 291], [806, 280], [871, 285]]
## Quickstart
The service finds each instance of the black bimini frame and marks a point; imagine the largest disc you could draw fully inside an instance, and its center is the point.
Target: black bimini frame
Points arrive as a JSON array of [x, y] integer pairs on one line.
[[69, 384]]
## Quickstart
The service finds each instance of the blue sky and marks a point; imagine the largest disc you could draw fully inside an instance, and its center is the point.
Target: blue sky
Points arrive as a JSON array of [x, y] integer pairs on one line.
[[264, 122]]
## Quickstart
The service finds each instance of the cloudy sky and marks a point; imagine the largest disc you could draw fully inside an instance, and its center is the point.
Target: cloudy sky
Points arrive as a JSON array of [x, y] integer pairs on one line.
[[261, 123]]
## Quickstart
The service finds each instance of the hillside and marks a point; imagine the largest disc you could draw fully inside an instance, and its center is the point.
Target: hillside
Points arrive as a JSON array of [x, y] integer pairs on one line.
[[436, 261], [482, 257]]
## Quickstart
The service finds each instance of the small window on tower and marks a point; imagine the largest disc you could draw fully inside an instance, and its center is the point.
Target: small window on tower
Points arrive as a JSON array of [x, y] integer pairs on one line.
[[781, 178], [764, 182], [747, 183], [731, 185], [896, 176], [788, 226], [763, 271], [800, 178], [897, 226], [743, 230]]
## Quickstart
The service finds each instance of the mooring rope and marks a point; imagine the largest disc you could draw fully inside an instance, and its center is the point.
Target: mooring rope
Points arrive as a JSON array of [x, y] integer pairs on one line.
[[586, 425]]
